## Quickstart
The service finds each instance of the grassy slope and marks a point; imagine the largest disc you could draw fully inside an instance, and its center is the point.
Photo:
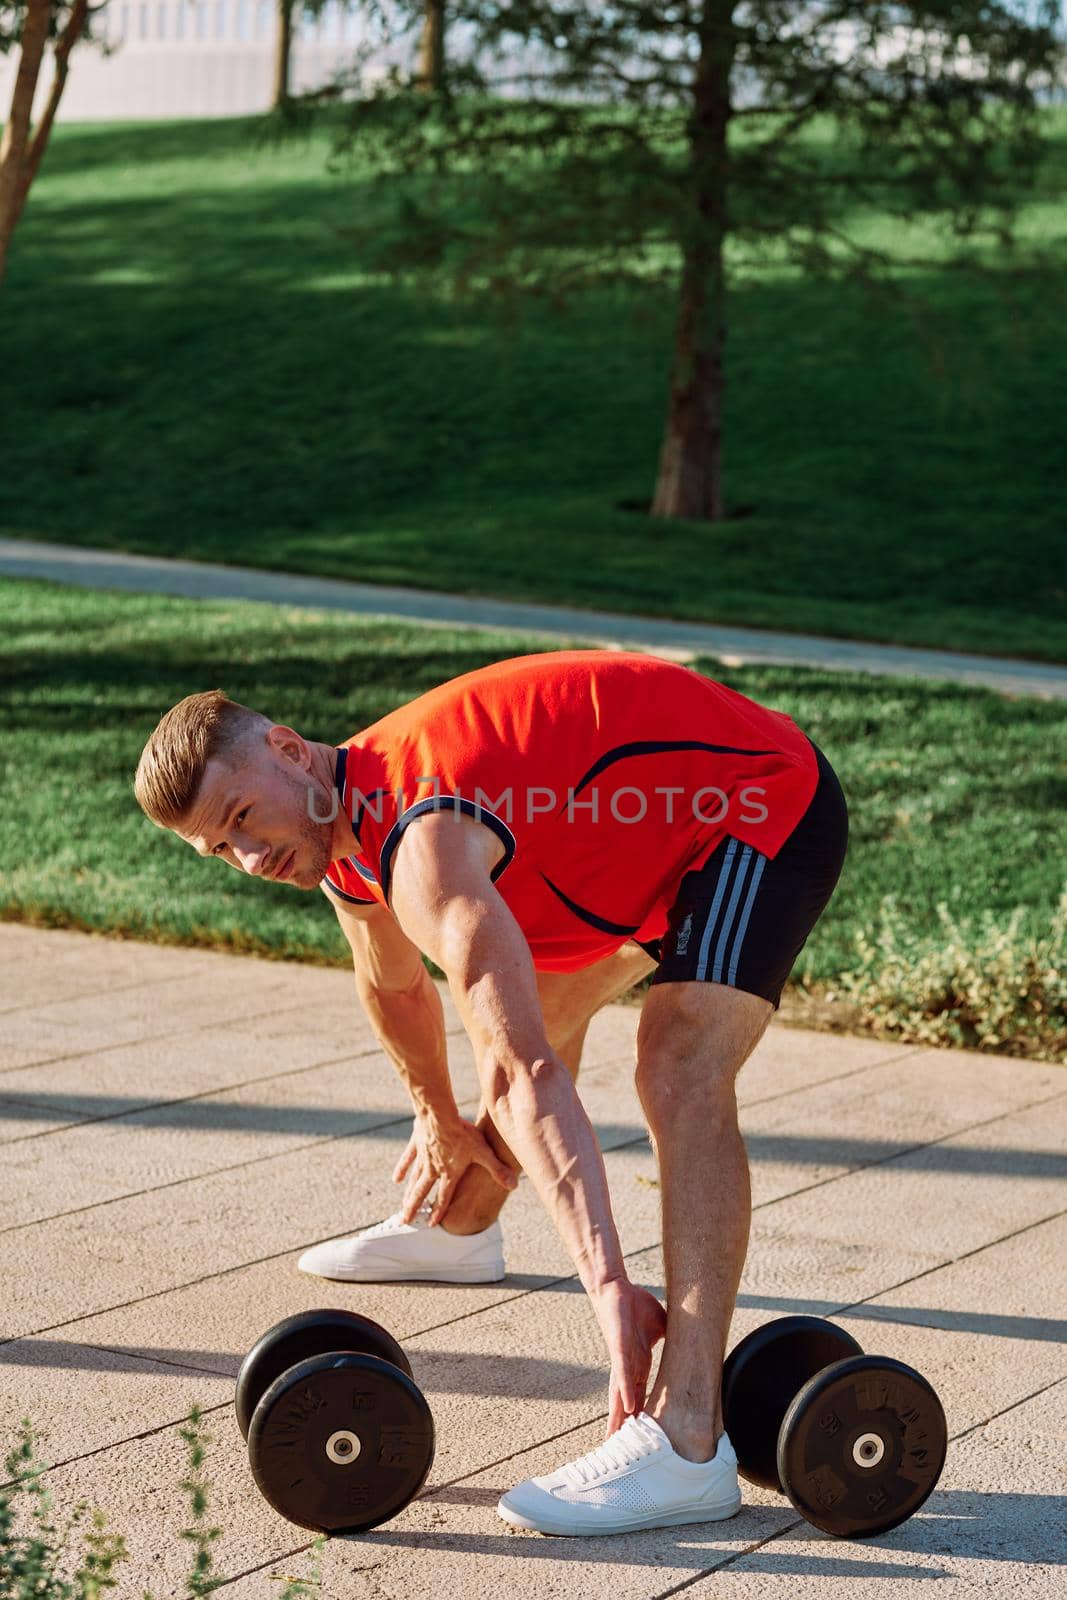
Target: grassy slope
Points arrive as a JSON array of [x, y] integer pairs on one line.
[[955, 794], [204, 368]]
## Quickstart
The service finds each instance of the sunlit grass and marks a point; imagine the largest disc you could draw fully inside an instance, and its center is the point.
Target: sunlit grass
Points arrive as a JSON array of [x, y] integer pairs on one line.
[[206, 366], [956, 795]]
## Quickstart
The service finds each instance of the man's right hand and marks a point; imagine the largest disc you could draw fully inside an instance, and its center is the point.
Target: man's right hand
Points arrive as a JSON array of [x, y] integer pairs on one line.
[[633, 1322], [440, 1151]]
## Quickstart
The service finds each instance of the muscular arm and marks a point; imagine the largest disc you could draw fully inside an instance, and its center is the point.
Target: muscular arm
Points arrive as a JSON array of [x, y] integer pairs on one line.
[[444, 899], [402, 1005]]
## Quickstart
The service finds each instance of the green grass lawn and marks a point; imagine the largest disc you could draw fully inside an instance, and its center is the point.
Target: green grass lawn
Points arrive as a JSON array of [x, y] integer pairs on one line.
[[197, 361], [956, 795]]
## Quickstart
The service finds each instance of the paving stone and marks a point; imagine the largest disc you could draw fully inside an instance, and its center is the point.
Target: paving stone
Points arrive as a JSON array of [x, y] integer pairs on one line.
[[472, 1550], [1017, 1289], [152, 1300], [81, 1398], [164, 1071], [483, 1344], [42, 963], [994, 1526], [187, 1062], [105, 1160], [788, 1059], [824, 1130], [26, 1120], [170, 1141], [75, 1265], [136, 1486], [935, 1203]]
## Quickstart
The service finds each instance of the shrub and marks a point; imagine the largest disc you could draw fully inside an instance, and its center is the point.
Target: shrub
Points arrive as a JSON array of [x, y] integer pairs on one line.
[[983, 984], [31, 1562]]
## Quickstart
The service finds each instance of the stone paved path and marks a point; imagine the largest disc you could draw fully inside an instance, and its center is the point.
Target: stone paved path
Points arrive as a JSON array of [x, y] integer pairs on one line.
[[178, 1125], [109, 569]]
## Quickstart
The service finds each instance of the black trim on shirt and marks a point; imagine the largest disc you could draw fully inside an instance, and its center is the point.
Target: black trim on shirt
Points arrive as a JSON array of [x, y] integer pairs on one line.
[[355, 899], [624, 930], [365, 872], [445, 802], [653, 747]]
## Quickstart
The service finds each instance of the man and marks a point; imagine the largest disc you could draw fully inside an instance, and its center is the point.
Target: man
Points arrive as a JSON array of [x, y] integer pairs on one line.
[[546, 830]]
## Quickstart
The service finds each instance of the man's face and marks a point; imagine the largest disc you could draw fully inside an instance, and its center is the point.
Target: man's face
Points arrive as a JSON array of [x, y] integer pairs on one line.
[[254, 813]]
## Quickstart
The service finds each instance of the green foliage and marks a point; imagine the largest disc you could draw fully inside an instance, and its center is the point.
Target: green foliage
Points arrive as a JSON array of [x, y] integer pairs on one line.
[[982, 983], [955, 794], [568, 150], [663, 141], [304, 1588], [13, 16], [31, 1562], [206, 368], [200, 1534]]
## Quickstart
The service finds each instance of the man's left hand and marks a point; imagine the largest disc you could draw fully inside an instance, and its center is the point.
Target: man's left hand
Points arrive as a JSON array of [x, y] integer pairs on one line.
[[440, 1152]]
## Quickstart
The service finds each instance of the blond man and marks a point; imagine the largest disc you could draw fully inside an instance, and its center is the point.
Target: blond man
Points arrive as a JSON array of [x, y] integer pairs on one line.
[[548, 830]]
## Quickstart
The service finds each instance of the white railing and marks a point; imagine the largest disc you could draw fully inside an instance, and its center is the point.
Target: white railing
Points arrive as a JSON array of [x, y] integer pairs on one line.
[[215, 58], [195, 58]]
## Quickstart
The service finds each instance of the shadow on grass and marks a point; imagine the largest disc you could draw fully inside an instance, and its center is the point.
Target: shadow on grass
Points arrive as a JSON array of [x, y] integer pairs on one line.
[[211, 371], [78, 149]]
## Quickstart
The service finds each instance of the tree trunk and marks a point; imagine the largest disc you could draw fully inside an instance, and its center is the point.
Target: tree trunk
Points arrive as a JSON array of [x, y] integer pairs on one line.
[[430, 71], [13, 146], [63, 46], [690, 465], [283, 53]]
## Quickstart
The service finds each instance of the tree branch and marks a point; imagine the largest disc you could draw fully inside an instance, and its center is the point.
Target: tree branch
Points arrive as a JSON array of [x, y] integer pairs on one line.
[[64, 45]]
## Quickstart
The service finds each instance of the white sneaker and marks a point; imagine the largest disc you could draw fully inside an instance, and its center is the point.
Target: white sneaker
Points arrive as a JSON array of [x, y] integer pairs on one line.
[[635, 1479], [394, 1251]]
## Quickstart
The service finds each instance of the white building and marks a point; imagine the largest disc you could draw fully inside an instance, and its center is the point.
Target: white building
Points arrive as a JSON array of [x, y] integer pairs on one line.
[[193, 58]]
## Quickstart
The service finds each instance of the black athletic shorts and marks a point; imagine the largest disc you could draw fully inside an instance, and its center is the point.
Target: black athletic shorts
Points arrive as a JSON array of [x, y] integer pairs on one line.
[[742, 919]]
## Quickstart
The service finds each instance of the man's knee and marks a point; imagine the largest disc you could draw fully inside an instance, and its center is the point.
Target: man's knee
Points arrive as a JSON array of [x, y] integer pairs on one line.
[[693, 1040]]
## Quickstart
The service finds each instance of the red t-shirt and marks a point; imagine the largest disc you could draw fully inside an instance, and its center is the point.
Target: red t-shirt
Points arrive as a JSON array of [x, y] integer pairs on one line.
[[607, 775]]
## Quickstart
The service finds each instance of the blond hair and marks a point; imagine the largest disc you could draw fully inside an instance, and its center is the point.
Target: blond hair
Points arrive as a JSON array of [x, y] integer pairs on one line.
[[171, 768]]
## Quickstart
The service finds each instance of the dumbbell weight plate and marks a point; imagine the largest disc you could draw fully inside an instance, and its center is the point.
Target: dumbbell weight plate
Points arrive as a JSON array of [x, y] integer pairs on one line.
[[862, 1446], [760, 1377], [341, 1442], [309, 1333]]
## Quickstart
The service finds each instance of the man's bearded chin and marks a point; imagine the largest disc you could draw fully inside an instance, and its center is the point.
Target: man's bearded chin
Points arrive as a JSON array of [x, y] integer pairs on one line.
[[316, 838]]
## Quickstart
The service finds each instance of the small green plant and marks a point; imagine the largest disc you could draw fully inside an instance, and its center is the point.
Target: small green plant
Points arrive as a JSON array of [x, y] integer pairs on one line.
[[303, 1588], [31, 1561], [199, 1582], [982, 984]]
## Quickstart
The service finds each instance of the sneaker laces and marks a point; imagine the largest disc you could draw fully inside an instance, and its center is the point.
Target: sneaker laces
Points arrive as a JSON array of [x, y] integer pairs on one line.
[[394, 1224], [625, 1448]]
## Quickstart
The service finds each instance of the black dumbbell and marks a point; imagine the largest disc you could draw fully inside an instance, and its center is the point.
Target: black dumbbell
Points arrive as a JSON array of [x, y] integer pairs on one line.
[[340, 1436], [857, 1442]]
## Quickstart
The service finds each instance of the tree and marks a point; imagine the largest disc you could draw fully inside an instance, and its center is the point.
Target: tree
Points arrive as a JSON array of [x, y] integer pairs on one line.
[[30, 25], [283, 52], [430, 71], [645, 139]]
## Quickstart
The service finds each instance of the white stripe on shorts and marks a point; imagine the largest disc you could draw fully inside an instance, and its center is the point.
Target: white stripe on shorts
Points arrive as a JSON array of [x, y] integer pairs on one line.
[[730, 887], [725, 873]]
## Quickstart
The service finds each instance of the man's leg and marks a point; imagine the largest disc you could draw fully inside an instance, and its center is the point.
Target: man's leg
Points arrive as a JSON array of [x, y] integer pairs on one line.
[[692, 1041], [449, 1253], [569, 1001]]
